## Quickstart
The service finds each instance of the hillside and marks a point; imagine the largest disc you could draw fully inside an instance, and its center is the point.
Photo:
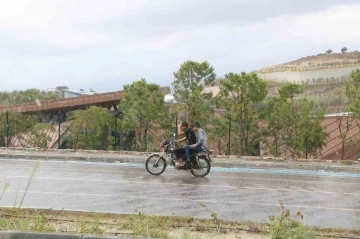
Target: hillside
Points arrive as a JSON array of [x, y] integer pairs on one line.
[[324, 94], [322, 76], [320, 61]]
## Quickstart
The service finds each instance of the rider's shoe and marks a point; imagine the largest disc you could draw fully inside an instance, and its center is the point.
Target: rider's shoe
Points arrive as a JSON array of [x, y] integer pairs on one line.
[[178, 166], [187, 165]]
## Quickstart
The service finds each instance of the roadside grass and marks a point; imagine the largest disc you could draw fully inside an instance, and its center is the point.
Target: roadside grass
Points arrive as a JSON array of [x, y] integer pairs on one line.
[[155, 226], [6, 186], [183, 235], [284, 226], [108, 224], [19, 222], [29, 181]]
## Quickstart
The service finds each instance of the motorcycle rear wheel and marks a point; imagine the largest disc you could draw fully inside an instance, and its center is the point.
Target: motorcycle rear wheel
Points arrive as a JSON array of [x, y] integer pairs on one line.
[[155, 164], [200, 167]]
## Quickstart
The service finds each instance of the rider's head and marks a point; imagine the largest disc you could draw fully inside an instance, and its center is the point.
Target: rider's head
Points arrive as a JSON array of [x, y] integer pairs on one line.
[[196, 126], [184, 125]]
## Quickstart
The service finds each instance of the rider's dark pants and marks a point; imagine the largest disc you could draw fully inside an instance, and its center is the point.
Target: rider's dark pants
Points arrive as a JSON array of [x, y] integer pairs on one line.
[[189, 150]]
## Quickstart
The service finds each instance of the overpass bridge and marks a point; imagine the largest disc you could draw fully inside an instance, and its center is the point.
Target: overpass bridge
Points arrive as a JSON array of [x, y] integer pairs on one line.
[[56, 110], [106, 100], [67, 104]]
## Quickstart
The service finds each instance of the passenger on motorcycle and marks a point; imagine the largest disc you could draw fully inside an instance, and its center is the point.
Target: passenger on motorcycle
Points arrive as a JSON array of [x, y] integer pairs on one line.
[[189, 136], [198, 146]]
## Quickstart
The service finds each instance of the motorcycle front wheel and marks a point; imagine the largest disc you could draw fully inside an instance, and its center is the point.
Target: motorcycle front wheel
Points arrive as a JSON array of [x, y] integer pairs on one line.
[[200, 167], [155, 164]]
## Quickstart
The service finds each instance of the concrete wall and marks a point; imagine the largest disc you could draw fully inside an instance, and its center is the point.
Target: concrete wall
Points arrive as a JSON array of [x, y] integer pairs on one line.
[[350, 128], [333, 145]]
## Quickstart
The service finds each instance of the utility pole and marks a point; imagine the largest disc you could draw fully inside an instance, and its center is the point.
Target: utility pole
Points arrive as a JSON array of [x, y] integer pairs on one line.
[[176, 123], [115, 133], [121, 116], [117, 136], [59, 121]]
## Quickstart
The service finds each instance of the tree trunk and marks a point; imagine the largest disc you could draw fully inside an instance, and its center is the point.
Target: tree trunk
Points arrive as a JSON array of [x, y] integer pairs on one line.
[[139, 139], [276, 146], [219, 146], [145, 139]]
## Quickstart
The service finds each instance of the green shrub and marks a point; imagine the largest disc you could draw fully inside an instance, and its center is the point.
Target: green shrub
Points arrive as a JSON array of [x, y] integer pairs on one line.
[[285, 227]]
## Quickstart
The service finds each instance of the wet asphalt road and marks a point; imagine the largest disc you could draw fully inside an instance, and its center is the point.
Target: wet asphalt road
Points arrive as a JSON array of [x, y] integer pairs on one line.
[[325, 200]]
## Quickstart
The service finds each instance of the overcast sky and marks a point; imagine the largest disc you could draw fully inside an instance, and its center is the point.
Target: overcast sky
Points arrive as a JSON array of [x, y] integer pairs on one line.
[[106, 44]]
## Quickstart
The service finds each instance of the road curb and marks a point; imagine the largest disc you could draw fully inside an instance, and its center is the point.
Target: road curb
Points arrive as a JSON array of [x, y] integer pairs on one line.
[[38, 235]]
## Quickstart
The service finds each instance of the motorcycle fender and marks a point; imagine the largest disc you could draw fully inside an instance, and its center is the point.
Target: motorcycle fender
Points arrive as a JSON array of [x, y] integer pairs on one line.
[[206, 157]]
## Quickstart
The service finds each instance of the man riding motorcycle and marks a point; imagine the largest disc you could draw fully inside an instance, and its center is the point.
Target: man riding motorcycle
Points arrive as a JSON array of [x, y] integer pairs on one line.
[[189, 136], [200, 145]]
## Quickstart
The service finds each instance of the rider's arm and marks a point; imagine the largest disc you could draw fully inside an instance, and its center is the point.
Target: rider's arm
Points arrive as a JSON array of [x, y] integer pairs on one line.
[[201, 137], [181, 140], [180, 132]]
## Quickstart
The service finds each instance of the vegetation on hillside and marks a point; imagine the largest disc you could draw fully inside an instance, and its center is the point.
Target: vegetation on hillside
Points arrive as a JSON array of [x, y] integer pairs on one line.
[[326, 93], [26, 96], [317, 62]]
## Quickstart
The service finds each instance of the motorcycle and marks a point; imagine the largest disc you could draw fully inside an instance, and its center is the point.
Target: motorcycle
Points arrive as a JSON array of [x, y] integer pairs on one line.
[[156, 163]]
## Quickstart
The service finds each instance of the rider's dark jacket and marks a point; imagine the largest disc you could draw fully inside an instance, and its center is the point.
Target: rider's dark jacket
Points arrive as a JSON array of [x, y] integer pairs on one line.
[[190, 139], [190, 136]]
